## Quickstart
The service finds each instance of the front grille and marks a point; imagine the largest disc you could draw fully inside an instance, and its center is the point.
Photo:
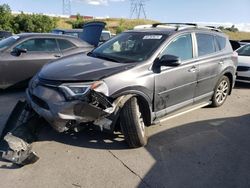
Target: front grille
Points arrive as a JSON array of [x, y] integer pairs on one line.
[[243, 78], [39, 102], [243, 68]]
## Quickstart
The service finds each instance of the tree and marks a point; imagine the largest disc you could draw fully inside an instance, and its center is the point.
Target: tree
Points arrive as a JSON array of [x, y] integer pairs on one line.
[[232, 28], [78, 23], [6, 18], [33, 23], [25, 22]]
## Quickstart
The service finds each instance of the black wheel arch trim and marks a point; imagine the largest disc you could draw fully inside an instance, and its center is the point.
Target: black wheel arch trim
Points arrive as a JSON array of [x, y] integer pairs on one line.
[[138, 93], [231, 71]]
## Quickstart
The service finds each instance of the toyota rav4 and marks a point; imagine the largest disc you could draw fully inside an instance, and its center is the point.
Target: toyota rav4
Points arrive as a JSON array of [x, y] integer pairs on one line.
[[136, 79]]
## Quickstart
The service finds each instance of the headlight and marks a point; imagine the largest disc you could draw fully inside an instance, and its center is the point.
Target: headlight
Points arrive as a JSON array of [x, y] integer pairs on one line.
[[73, 90]]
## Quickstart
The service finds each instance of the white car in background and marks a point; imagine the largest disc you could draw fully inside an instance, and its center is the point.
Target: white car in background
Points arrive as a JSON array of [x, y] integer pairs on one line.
[[243, 69]]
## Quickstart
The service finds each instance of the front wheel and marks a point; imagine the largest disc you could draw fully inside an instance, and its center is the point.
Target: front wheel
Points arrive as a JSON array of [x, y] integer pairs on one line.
[[132, 124], [221, 91]]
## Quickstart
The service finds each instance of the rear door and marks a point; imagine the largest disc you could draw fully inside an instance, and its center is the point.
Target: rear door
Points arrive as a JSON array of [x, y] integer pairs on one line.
[[175, 85], [22, 67], [209, 61]]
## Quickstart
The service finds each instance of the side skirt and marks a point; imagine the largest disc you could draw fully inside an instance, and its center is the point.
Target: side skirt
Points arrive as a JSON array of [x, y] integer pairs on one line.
[[181, 112]]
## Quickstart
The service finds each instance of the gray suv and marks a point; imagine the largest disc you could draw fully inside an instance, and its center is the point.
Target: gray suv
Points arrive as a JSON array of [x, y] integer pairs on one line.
[[136, 79]]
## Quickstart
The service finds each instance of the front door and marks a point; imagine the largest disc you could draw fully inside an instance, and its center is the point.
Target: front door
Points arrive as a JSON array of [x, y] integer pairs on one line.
[[175, 85], [18, 68]]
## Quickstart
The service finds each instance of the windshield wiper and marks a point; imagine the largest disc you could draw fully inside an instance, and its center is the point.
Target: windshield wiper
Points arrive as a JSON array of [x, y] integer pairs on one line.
[[104, 57]]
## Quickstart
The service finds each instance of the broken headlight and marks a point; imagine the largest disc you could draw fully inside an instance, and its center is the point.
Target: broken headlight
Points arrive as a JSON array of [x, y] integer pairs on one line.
[[75, 90]]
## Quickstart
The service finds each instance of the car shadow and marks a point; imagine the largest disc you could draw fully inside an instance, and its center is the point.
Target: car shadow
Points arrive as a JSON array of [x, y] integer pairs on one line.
[[88, 138], [242, 85], [211, 153]]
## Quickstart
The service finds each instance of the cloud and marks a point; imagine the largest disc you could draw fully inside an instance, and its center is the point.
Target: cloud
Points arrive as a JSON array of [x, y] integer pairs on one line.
[[99, 2], [241, 26]]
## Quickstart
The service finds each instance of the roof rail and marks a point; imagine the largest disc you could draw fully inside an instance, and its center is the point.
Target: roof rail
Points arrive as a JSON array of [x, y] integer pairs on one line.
[[188, 25], [212, 28], [178, 26], [175, 24]]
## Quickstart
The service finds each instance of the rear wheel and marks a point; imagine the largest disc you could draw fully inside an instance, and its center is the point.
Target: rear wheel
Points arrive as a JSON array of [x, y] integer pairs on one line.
[[221, 91], [133, 124]]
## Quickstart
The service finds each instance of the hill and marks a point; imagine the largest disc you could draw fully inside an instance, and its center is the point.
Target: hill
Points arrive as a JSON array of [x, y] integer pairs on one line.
[[117, 25]]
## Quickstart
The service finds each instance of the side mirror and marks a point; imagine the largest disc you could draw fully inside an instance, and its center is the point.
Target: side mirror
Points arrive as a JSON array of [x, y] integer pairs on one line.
[[169, 60], [18, 51]]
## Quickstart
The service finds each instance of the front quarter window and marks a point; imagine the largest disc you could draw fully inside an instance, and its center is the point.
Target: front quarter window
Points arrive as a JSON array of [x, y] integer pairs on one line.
[[130, 47]]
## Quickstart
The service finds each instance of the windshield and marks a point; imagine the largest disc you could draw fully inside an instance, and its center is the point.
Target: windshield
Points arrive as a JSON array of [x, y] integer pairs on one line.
[[129, 47], [5, 43], [244, 51]]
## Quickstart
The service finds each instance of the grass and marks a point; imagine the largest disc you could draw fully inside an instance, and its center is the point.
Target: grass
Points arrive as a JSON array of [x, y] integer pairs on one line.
[[238, 35]]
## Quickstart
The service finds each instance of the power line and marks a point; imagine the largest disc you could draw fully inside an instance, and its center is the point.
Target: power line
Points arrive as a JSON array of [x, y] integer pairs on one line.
[[137, 9]]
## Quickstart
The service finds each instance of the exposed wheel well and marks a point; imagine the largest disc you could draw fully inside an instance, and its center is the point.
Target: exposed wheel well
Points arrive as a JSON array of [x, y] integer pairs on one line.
[[230, 77], [144, 108]]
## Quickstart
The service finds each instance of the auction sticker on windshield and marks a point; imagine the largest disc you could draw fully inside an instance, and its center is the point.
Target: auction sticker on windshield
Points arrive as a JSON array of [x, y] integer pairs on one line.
[[152, 37]]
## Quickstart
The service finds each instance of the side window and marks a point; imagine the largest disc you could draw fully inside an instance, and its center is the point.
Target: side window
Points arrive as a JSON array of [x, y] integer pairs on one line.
[[64, 44], [39, 45], [28, 45], [221, 42], [181, 47], [206, 44]]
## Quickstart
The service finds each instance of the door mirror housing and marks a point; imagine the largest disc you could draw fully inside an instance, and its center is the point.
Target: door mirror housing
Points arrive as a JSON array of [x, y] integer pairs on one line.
[[169, 60], [18, 51]]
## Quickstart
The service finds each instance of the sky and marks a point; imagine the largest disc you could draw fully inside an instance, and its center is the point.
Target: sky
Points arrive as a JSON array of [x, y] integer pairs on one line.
[[216, 11]]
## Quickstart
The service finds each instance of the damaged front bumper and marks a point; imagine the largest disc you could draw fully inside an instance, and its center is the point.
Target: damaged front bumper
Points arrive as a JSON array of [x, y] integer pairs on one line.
[[61, 114], [18, 151]]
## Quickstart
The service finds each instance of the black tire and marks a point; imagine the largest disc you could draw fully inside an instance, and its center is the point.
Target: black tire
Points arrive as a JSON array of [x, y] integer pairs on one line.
[[221, 91], [132, 124]]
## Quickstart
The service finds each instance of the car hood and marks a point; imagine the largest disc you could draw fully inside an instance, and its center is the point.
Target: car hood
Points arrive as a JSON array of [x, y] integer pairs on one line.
[[81, 68], [244, 60]]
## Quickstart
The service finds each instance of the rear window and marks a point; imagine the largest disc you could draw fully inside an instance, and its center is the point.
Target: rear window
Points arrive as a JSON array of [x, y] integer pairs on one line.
[[64, 44], [221, 42], [206, 44]]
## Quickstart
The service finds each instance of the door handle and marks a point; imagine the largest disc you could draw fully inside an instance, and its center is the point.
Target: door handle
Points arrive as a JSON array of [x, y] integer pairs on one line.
[[193, 69], [57, 55], [221, 62]]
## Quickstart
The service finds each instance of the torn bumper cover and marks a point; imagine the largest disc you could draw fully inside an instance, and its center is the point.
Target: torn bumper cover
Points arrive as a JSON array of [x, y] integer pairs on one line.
[[18, 151], [64, 114]]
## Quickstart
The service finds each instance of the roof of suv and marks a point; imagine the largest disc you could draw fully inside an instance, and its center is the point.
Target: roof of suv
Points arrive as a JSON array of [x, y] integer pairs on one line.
[[170, 28]]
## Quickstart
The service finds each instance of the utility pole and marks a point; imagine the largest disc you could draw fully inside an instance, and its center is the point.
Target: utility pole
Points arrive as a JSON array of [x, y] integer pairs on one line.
[[137, 8], [67, 7]]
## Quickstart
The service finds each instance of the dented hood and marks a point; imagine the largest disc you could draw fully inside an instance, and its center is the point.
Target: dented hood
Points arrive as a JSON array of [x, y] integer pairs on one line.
[[81, 68]]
